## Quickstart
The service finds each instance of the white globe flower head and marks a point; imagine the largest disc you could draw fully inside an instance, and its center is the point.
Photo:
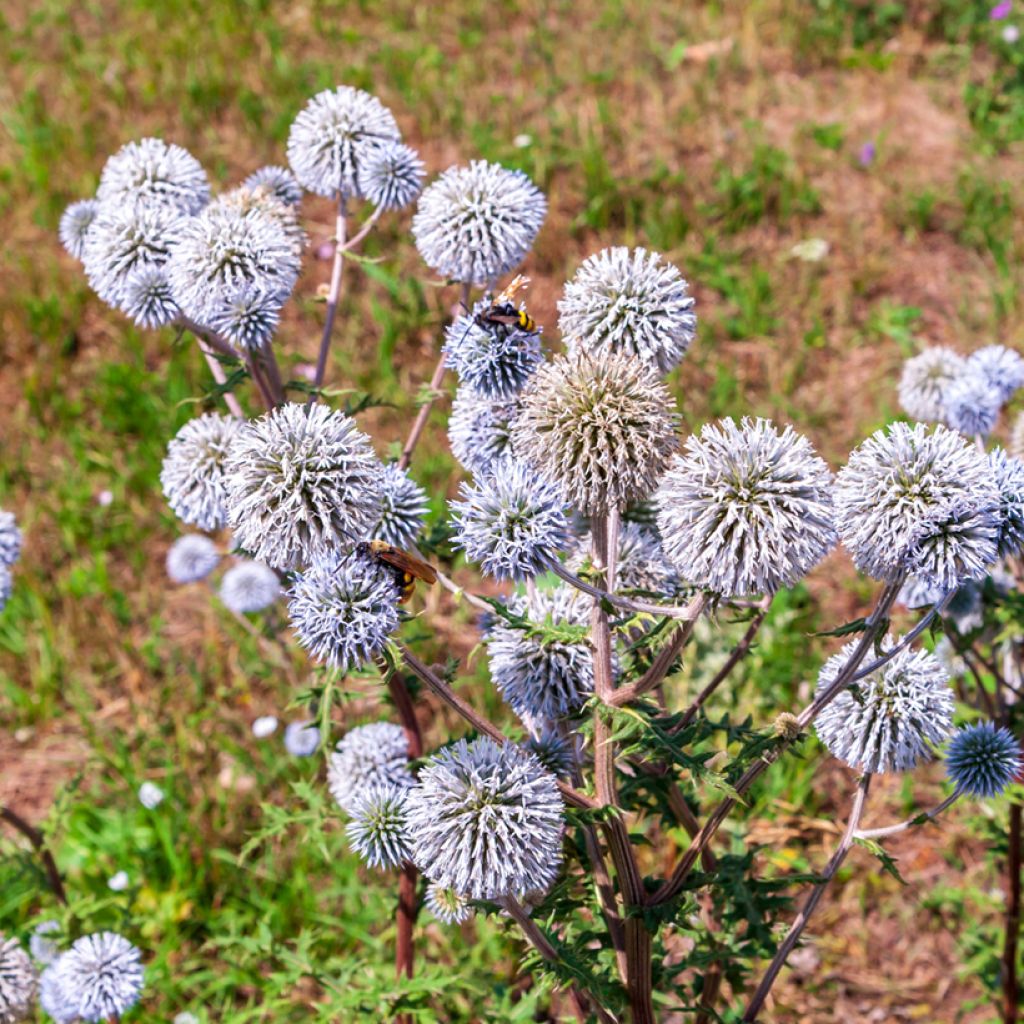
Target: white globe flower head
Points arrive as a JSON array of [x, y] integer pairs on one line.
[[368, 756], [476, 223], [249, 587], [448, 906], [151, 796], [10, 539], [302, 739], [390, 176], [100, 976], [972, 405], [1002, 367], [1009, 474], [6, 586], [247, 317], [925, 380], [890, 720], [75, 222], [278, 182], [154, 174], [147, 299], [51, 997], [264, 726], [641, 563], [44, 950], [18, 982], [378, 831], [403, 508], [118, 882], [192, 558], [480, 430], [623, 300]]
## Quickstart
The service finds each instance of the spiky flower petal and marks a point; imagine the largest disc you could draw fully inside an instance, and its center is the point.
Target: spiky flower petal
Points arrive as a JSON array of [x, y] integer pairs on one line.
[[925, 380], [495, 360], [888, 721], [147, 298], [480, 430], [486, 820], [249, 587], [972, 405], [391, 176], [1009, 473], [75, 222], [333, 135], [623, 300], [153, 173], [983, 759], [475, 223], [302, 483], [278, 181], [10, 539], [100, 976], [403, 508], [447, 905], [302, 738], [378, 830], [18, 981], [192, 558], [370, 755], [248, 317], [919, 501], [1001, 367]]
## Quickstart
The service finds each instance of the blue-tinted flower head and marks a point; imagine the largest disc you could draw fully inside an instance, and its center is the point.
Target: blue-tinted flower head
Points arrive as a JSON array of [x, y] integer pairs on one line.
[[147, 298], [333, 134], [476, 223], [624, 300], [264, 204], [192, 475], [1009, 473], [302, 484], [6, 586], [890, 720], [278, 181], [248, 317], [18, 981], [983, 759], [925, 380], [343, 610], [192, 558], [512, 522], [373, 755], [302, 738], [554, 751], [390, 176], [44, 950], [403, 508], [10, 539], [75, 222], [152, 173], [1001, 367], [249, 587], [919, 501], [448, 906], [965, 609], [100, 976], [151, 796], [480, 430], [495, 360], [378, 830], [641, 563], [486, 820], [51, 997], [972, 404]]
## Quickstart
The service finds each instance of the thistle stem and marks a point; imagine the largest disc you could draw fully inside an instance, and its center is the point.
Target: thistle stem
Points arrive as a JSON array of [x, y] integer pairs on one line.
[[38, 841], [333, 295], [917, 819]]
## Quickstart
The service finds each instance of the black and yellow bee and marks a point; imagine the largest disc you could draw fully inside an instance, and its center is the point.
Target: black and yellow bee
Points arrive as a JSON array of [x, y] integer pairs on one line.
[[404, 567], [504, 311]]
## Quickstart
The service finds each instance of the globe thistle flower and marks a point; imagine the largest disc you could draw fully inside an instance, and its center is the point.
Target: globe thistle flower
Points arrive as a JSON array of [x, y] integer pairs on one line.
[[378, 831], [554, 751], [100, 976], [390, 176], [367, 757], [118, 882], [623, 300], [1009, 473], [983, 759], [925, 380], [475, 223], [147, 299], [1001, 367], [151, 796], [919, 501], [264, 726], [888, 721], [247, 318], [333, 134], [278, 181], [18, 981], [447, 905], [972, 405], [495, 360], [192, 475], [403, 508], [302, 482], [10, 539], [52, 998], [511, 522], [6, 586], [343, 610], [249, 587], [263, 203], [153, 174], [641, 563], [302, 739], [75, 222], [965, 609], [44, 950], [486, 820], [480, 430], [602, 427], [125, 242], [746, 509], [192, 558], [543, 678]]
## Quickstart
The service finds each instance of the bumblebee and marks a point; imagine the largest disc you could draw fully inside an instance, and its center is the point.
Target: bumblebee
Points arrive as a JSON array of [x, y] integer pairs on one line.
[[405, 569], [505, 311]]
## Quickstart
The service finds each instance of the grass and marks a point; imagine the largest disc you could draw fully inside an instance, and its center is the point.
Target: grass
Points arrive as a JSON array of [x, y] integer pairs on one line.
[[723, 158]]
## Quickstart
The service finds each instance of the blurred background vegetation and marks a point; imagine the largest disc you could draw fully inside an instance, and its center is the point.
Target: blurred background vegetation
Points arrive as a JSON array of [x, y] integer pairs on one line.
[[837, 180]]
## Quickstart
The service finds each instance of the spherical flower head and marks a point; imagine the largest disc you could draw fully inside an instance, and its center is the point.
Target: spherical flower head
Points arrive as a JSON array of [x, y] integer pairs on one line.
[[543, 678], [554, 751], [125, 241], [746, 508], [983, 759], [154, 174], [369, 756], [343, 610], [192, 558], [972, 405], [390, 176], [44, 950], [100, 976], [925, 380], [302, 739], [480, 430], [302, 483], [602, 427], [378, 830], [623, 300], [249, 587], [495, 360], [6, 586], [448, 906], [278, 181], [75, 222], [1001, 367], [478, 222], [10, 539], [888, 721], [52, 999], [264, 726], [512, 522], [18, 981], [147, 298], [247, 318], [403, 508], [965, 610], [333, 134], [263, 202], [151, 796], [486, 820], [919, 501], [1009, 473], [641, 563], [192, 476]]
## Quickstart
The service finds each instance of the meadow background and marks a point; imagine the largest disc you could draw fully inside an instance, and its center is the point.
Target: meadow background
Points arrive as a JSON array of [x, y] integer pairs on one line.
[[730, 136]]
